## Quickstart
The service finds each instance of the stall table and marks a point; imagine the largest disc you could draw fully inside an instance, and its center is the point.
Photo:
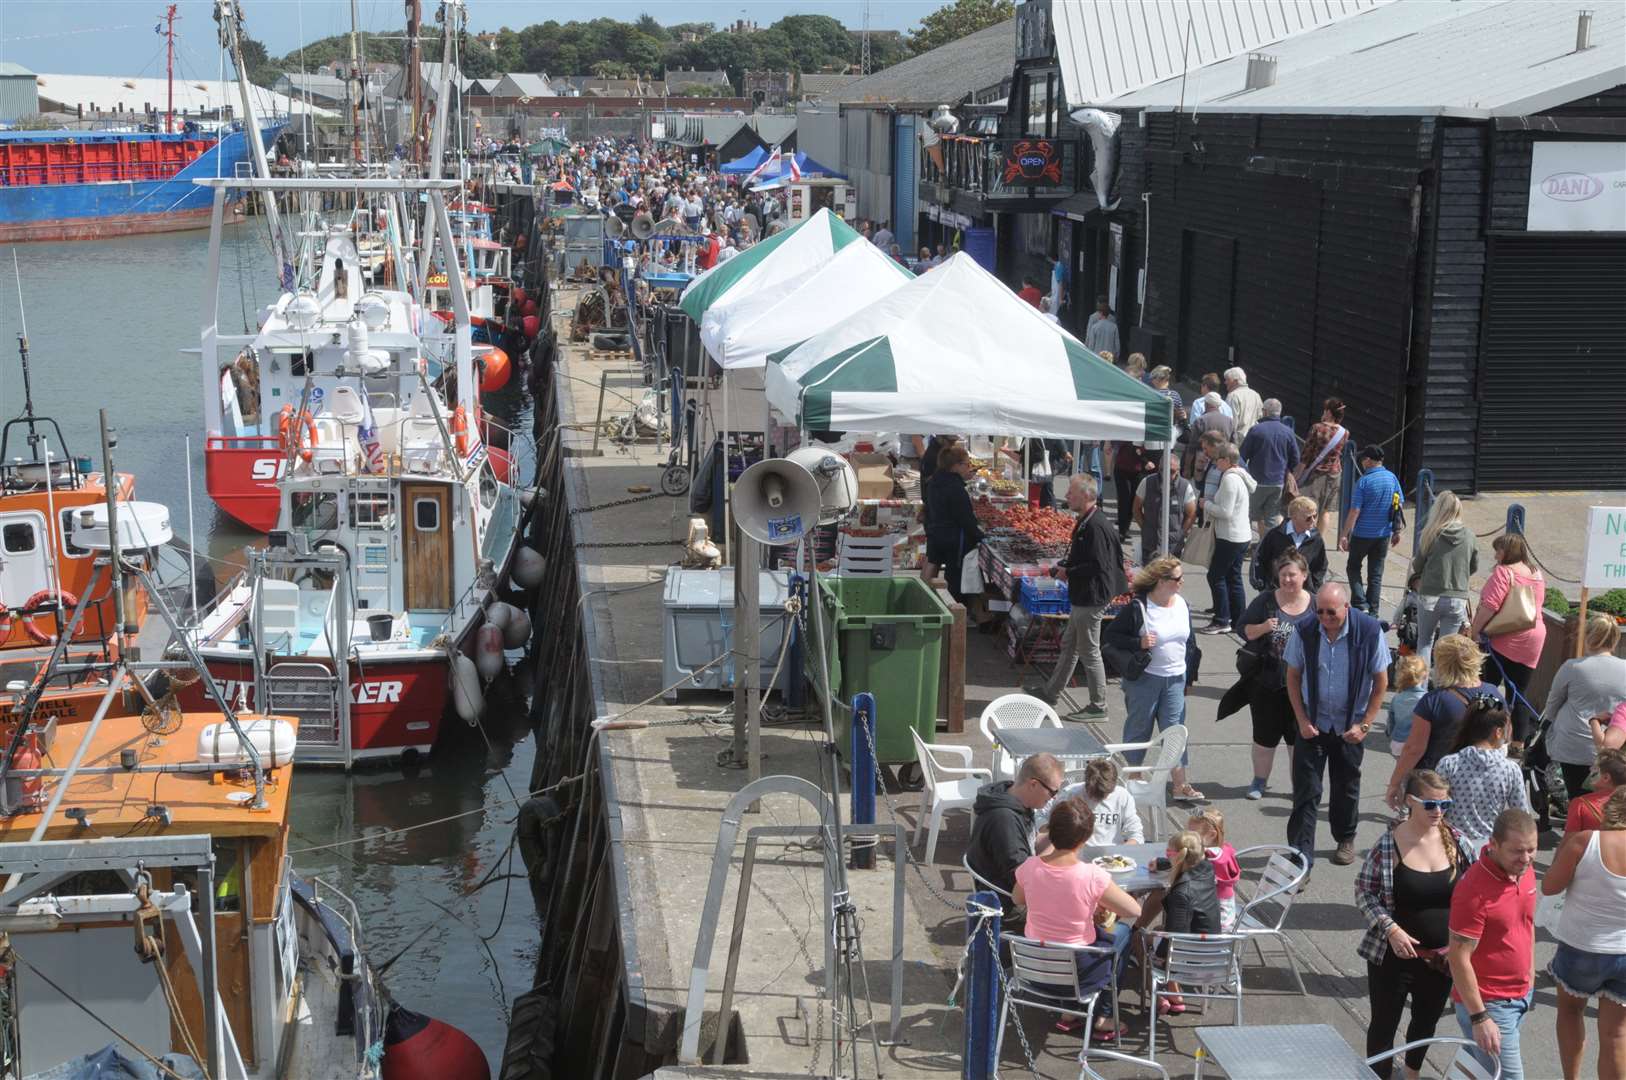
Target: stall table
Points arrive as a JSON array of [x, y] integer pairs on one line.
[[1072, 743]]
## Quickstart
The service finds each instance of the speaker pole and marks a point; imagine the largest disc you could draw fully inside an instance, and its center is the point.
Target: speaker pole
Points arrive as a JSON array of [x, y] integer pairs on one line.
[[747, 743]]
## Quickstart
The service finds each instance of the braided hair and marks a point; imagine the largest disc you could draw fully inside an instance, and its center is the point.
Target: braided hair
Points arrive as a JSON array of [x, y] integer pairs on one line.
[[1420, 780]]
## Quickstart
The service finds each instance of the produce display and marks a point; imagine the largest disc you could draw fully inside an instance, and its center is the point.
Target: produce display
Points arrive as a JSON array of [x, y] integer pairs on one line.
[[1047, 528]]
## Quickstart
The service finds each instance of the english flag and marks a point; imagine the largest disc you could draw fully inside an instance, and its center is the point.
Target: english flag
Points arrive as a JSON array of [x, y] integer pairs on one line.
[[769, 165], [795, 173]]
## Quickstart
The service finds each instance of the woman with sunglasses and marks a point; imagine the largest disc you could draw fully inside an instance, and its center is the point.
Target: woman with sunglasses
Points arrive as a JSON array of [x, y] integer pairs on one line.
[[1483, 781], [1404, 892], [1152, 645]]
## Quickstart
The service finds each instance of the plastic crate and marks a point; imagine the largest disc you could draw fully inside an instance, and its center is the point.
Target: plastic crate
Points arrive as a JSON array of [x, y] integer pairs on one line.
[[1045, 596]]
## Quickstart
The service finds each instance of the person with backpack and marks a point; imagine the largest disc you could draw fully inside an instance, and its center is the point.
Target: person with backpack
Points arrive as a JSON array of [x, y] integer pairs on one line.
[[1369, 529], [1446, 558]]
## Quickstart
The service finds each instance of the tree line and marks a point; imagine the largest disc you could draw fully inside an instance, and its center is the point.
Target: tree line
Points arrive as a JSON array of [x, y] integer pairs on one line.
[[644, 47]]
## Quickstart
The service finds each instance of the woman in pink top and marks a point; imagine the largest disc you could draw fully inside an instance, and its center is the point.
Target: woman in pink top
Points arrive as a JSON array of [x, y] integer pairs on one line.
[[1512, 657], [1062, 893]]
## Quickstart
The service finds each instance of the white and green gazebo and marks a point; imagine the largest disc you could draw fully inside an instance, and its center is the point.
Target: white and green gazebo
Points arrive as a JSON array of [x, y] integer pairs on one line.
[[797, 250]]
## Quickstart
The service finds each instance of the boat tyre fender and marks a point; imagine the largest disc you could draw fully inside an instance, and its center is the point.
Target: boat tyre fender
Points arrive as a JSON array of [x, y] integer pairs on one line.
[[46, 600]]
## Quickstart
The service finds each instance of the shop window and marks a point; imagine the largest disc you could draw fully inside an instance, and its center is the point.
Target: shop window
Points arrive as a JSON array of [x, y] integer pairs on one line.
[[1040, 93]]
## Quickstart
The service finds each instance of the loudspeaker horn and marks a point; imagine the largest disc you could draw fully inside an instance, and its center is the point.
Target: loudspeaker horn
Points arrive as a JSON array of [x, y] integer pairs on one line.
[[613, 227], [838, 482], [643, 227], [776, 502]]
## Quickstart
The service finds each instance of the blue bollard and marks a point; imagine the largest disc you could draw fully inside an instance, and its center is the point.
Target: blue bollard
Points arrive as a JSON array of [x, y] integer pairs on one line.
[[863, 773], [981, 990], [1515, 519]]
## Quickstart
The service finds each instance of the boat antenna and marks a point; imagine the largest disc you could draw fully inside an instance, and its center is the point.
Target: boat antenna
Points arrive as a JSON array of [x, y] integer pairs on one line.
[[169, 47], [22, 351]]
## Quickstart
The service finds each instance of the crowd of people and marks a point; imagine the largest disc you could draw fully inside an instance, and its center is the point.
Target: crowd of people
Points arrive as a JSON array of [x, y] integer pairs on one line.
[[1449, 892]]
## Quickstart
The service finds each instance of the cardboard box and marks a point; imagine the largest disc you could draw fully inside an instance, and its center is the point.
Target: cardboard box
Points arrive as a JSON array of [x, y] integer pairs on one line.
[[874, 475]]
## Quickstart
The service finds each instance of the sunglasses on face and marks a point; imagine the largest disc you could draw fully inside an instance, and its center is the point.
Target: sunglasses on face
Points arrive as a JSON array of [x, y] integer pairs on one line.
[[1431, 805], [1048, 789], [1329, 611]]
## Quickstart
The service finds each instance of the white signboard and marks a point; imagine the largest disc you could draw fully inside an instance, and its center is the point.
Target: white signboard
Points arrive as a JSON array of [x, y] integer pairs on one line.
[[1577, 187], [1604, 564]]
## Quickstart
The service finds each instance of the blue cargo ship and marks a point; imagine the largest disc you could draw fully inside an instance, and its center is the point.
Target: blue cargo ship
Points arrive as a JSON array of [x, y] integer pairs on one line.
[[85, 185]]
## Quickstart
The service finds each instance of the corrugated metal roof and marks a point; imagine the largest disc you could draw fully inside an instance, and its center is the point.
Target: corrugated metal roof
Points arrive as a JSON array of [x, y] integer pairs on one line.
[[1469, 58], [943, 75], [111, 91], [8, 70], [820, 83], [1107, 48]]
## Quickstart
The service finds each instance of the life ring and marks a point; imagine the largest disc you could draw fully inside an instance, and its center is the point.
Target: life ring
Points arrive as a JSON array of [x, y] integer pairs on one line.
[[45, 599], [5, 624], [460, 431], [288, 431]]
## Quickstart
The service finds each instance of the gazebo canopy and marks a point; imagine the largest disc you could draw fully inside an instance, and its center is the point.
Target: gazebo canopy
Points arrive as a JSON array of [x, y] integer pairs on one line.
[[742, 334], [956, 351], [797, 250]]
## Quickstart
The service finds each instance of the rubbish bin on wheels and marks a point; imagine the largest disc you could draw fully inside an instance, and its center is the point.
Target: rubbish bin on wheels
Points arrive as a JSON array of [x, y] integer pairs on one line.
[[884, 636]]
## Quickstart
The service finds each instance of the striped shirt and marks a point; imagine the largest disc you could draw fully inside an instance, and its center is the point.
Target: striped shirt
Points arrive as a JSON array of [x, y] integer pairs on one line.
[[1374, 498]]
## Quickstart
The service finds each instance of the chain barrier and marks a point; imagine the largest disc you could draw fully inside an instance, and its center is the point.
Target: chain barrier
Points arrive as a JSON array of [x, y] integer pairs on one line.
[[631, 544], [985, 927], [613, 503]]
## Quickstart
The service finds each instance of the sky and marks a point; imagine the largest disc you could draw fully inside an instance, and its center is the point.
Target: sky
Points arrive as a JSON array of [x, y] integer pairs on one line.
[[115, 37]]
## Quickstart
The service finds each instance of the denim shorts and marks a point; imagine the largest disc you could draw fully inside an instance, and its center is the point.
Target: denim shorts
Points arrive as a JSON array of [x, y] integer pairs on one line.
[[1582, 974]]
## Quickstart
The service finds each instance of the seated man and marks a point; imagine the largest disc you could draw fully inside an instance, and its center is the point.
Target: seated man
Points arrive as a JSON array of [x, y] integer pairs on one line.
[[1002, 827]]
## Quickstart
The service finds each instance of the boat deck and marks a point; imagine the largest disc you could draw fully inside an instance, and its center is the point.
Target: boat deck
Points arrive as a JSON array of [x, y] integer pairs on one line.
[[116, 803]]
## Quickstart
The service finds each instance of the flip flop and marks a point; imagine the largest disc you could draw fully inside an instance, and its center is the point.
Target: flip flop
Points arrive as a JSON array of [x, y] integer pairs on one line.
[[1165, 1008], [1109, 1034], [1190, 794]]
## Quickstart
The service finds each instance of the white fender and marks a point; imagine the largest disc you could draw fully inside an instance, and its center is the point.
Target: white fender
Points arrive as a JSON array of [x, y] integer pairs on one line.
[[528, 567], [518, 631], [488, 658], [531, 496], [499, 613], [467, 699]]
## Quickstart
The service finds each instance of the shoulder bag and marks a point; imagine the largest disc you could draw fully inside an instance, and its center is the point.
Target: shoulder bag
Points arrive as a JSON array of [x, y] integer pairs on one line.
[[1518, 612], [1332, 445], [1130, 664]]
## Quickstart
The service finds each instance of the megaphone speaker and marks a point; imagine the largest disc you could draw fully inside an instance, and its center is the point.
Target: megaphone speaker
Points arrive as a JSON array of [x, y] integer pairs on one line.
[[613, 227], [643, 226], [776, 502]]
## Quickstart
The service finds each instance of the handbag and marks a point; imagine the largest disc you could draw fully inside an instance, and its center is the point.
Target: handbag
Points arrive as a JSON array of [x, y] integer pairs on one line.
[[1517, 613], [1042, 469], [971, 574], [1199, 548]]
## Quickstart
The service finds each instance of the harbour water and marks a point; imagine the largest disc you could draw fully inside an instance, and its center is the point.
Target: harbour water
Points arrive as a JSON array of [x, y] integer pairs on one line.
[[106, 323]]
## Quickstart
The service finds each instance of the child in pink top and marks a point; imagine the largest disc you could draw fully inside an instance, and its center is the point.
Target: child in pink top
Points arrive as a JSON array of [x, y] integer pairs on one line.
[[1062, 891], [1210, 825]]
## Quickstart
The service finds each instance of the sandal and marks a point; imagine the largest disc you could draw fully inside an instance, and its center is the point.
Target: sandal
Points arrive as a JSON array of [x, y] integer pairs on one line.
[[1189, 794], [1069, 1024], [1167, 1008], [1110, 1034]]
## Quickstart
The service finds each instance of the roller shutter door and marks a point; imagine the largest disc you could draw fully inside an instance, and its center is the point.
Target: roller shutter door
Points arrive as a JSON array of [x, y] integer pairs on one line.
[[1553, 364]]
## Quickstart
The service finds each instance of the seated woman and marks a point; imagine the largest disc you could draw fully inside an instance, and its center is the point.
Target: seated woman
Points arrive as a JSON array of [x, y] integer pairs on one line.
[[1189, 901], [1063, 892]]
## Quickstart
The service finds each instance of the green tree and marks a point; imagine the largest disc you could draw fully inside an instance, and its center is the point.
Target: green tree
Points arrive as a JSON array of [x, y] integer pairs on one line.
[[648, 25], [813, 42], [612, 69], [955, 20]]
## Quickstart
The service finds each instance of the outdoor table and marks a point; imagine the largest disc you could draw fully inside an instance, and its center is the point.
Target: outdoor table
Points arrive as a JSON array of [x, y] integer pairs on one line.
[[1073, 742], [1285, 1051], [1139, 880]]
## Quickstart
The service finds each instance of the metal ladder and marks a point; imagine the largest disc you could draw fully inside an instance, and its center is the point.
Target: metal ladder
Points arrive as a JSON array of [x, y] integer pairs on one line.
[[310, 693]]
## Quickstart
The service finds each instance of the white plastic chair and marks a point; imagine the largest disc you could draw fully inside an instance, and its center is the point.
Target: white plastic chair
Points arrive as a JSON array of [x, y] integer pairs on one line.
[[1468, 1063], [1013, 711], [1046, 977], [1148, 782], [1207, 966], [948, 786], [1269, 899]]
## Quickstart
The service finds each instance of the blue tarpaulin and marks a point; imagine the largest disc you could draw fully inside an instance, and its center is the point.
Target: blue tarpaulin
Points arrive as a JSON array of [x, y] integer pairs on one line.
[[750, 161]]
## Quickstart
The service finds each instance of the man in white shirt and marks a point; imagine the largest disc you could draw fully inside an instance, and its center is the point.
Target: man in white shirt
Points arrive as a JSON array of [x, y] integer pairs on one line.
[[1211, 385], [1246, 404]]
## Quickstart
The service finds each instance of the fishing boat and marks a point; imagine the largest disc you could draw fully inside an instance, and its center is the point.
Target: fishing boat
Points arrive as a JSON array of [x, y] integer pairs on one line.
[[52, 586], [174, 828], [392, 528]]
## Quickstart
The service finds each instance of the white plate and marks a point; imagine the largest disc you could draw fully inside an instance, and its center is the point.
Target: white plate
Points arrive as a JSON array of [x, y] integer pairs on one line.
[[1100, 860]]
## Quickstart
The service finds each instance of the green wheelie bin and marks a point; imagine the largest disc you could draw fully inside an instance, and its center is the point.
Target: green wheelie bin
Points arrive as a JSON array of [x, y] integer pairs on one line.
[[884, 636]]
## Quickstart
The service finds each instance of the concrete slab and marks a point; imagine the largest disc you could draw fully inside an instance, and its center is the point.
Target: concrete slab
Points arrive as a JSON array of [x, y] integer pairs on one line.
[[674, 791]]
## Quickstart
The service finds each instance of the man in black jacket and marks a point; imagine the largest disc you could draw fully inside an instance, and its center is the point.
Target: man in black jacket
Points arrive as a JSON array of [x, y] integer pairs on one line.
[[1094, 574], [1002, 824]]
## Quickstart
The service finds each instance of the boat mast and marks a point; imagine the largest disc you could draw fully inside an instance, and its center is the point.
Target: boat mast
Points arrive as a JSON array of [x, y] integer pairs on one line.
[[169, 49], [415, 78], [351, 86], [22, 351], [228, 15]]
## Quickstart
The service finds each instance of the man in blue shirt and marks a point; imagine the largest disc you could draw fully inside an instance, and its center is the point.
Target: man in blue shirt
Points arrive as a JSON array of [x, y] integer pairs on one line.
[[1337, 672], [1368, 530]]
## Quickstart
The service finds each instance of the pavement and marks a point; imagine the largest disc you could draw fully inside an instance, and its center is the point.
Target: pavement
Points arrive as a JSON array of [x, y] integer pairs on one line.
[[673, 792]]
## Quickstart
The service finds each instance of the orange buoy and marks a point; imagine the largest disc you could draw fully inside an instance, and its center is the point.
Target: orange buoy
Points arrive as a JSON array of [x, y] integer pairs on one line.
[[418, 1047], [28, 757], [460, 430], [496, 371], [516, 297], [531, 326], [528, 308]]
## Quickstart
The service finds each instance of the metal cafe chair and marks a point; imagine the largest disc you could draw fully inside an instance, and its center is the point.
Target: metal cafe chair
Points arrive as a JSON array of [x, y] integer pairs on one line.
[[1207, 966], [1045, 977], [1468, 1063], [1270, 898]]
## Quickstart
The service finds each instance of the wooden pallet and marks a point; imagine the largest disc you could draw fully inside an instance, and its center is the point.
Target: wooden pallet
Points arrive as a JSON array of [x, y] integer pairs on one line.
[[610, 354]]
